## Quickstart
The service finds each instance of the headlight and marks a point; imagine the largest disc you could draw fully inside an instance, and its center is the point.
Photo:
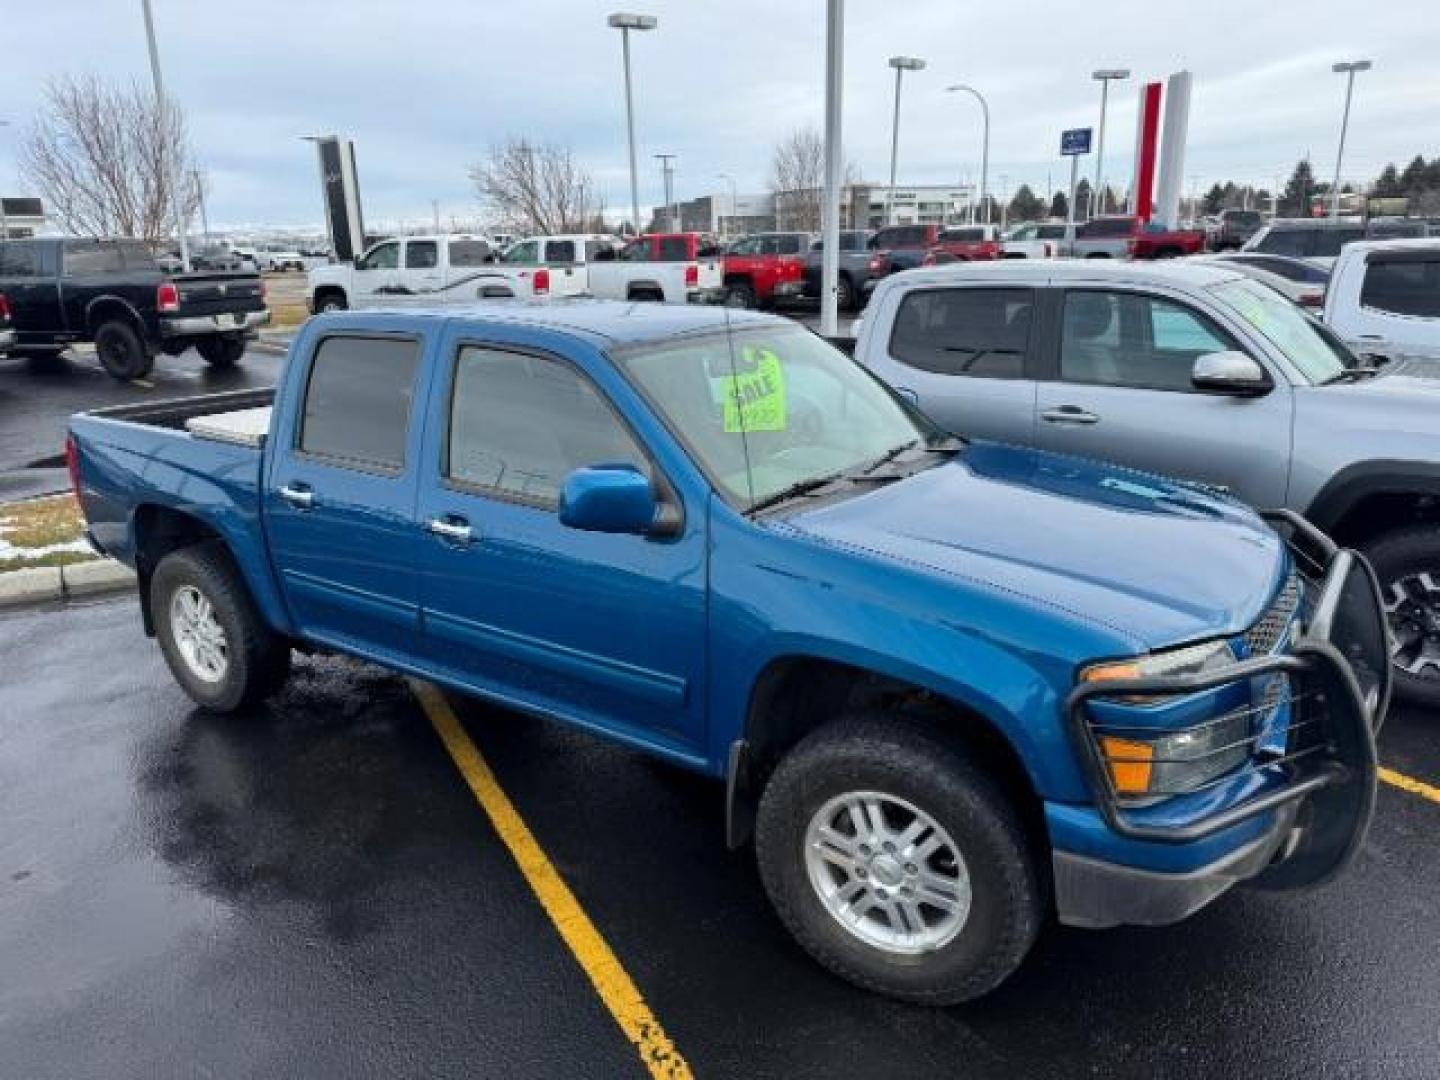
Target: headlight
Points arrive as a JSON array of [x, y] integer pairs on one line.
[[1176, 761]]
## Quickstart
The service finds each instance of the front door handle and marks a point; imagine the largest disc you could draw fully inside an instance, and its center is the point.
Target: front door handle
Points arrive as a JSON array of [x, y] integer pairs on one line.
[[298, 496], [1069, 414], [456, 530]]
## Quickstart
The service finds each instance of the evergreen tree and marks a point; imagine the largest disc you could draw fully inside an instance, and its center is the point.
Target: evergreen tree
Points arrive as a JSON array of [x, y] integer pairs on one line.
[[1214, 199], [1026, 206], [1059, 206], [1387, 186], [1412, 180], [1295, 200]]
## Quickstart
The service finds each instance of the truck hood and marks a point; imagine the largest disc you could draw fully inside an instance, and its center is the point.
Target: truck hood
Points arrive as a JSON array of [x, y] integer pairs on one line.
[[1153, 560]]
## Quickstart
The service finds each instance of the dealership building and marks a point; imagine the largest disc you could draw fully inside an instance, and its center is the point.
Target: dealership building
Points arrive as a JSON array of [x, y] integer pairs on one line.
[[23, 217], [862, 206]]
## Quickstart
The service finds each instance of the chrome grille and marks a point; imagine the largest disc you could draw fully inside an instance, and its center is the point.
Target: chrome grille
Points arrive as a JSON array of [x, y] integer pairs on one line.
[[1262, 637]]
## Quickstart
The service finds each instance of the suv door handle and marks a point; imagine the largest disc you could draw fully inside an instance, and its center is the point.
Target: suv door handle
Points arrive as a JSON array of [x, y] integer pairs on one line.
[[1069, 414], [453, 529], [298, 495]]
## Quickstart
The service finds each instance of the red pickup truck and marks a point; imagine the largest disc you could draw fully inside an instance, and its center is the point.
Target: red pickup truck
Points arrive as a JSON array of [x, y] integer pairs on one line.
[[973, 243], [763, 267], [1122, 235]]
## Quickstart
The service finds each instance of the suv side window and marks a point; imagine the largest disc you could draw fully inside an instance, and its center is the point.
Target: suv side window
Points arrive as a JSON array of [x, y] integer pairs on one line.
[[469, 253], [520, 424], [1407, 285], [421, 254], [964, 331], [357, 402], [1128, 339], [381, 257]]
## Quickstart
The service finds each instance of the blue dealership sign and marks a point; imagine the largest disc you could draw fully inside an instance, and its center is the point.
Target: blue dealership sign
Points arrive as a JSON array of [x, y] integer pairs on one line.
[[1075, 141]]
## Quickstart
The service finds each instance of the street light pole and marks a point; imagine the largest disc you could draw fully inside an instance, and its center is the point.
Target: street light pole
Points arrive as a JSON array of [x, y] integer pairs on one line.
[[625, 23], [4, 221], [830, 212], [901, 64], [1104, 76], [1348, 69], [162, 109], [984, 146]]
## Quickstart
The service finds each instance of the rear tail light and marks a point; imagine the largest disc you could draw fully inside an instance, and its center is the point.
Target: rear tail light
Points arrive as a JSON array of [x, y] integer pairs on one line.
[[542, 282], [1049, 251], [692, 276], [167, 298], [877, 263], [4, 308], [72, 464]]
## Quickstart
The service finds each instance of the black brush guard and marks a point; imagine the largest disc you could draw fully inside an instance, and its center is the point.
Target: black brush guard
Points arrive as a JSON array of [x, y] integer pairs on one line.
[[1338, 674]]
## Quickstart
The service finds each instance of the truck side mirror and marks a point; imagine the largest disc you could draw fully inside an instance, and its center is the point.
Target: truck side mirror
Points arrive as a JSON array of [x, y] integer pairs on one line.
[[608, 499], [1229, 372]]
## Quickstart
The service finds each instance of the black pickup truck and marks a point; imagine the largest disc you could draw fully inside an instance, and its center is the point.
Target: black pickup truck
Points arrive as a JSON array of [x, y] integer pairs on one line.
[[113, 293]]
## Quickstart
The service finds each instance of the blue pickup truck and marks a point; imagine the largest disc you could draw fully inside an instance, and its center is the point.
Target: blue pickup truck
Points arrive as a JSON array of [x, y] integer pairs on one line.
[[950, 687]]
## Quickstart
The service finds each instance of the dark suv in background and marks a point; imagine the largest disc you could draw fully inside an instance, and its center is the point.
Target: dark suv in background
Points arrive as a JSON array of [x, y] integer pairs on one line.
[[1234, 227]]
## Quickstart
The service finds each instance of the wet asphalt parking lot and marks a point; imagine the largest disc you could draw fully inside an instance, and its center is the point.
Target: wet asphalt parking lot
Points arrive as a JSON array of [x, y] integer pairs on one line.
[[313, 891]]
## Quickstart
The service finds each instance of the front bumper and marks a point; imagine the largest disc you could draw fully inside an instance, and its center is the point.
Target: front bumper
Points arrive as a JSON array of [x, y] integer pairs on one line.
[[789, 288], [1303, 799], [715, 295], [8, 338], [203, 325]]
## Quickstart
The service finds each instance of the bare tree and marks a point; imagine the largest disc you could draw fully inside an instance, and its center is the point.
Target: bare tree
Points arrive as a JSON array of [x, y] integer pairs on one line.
[[537, 188], [103, 158], [797, 179]]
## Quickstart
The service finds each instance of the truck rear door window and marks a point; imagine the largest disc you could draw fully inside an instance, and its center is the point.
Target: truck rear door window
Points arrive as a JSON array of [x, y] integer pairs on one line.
[[92, 257], [560, 251], [1407, 285], [520, 424], [421, 254], [19, 260], [978, 332], [357, 402], [470, 253]]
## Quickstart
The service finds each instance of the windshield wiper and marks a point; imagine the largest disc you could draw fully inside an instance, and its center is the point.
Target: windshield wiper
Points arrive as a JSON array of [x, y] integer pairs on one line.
[[885, 458], [795, 491]]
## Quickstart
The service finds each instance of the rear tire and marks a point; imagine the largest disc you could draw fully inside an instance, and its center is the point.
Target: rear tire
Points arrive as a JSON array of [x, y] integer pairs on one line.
[[740, 294], [1404, 561], [982, 873], [218, 648], [221, 351], [121, 352], [332, 300], [845, 294]]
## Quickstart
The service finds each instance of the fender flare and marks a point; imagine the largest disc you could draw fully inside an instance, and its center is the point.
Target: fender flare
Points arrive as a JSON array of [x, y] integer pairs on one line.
[[107, 300], [1346, 489]]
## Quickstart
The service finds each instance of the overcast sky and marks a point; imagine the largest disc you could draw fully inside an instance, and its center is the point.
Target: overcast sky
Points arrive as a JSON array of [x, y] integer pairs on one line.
[[423, 86]]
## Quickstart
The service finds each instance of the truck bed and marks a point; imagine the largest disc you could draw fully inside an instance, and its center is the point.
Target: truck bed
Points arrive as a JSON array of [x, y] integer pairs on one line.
[[176, 413]]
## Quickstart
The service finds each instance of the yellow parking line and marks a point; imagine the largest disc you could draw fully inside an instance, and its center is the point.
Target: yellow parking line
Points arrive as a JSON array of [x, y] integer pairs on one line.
[[611, 981], [1410, 784]]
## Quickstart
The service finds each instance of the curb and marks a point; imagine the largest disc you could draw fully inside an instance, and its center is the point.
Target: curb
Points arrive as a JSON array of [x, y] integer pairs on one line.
[[55, 584]]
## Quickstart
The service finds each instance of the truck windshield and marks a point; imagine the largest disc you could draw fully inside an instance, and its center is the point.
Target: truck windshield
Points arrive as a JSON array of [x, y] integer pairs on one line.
[[1318, 354], [768, 410]]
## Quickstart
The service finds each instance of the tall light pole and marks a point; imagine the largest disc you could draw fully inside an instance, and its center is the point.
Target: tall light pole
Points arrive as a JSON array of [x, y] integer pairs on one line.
[[4, 222], [901, 64], [984, 146], [667, 171], [830, 208], [625, 23], [734, 201], [162, 111], [1105, 76], [1349, 69]]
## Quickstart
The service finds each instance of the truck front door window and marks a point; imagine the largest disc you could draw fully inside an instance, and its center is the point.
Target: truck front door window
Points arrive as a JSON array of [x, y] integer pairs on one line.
[[1316, 352], [1128, 339], [381, 257], [357, 402], [519, 424], [526, 253], [421, 255]]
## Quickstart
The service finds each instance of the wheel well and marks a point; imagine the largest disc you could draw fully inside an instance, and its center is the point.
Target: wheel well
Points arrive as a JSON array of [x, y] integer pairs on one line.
[[797, 695], [738, 279], [1381, 512], [645, 291], [330, 290], [159, 531], [103, 311]]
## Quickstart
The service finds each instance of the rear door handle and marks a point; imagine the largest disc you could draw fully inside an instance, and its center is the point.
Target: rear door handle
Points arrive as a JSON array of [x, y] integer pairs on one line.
[[1069, 414], [456, 530], [298, 495]]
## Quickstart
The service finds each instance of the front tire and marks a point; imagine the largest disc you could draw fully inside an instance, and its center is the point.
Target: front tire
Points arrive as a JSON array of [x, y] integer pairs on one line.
[[333, 300], [740, 294], [218, 648], [1407, 562], [121, 352], [845, 294], [897, 863], [221, 351]]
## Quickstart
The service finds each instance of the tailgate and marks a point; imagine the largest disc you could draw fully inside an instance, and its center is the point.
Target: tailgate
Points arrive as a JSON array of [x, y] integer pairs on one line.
[[215, 294]]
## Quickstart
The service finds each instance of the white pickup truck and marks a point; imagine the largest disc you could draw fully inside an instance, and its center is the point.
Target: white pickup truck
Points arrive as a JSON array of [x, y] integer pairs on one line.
[[1384, 298], [436, 270]]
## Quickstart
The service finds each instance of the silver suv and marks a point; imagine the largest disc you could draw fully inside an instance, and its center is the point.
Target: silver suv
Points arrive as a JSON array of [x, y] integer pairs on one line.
[[1190, 370]]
